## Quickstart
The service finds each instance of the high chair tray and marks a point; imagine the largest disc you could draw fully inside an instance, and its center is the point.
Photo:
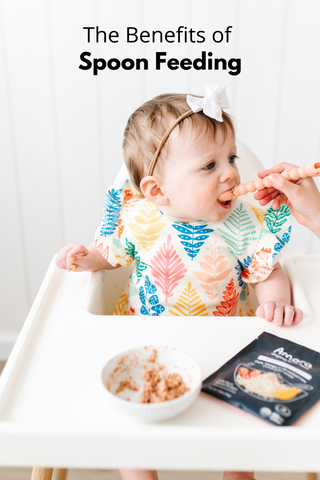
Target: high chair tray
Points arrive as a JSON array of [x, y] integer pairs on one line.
[[53, 410]]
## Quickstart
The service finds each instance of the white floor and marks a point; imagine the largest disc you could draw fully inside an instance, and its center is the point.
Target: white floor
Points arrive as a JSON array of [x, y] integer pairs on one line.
[[73, 474]]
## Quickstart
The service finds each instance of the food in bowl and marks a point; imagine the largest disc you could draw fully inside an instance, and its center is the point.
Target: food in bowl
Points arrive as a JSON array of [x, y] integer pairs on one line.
[[152, 383], [159, 385]]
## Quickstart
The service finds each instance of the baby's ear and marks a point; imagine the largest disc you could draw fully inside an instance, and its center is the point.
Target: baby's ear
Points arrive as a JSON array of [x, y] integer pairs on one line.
[[151, 189]]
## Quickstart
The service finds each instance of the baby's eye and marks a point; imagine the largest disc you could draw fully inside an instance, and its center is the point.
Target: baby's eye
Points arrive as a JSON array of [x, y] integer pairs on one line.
[[233, 158], [210, 166]]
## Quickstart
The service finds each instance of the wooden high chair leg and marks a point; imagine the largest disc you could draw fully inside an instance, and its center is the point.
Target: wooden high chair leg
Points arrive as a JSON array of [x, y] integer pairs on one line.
[[61, 474], [41, 473], [311, 476]]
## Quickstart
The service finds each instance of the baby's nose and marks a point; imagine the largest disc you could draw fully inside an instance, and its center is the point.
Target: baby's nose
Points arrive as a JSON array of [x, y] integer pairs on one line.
[[228, 173]]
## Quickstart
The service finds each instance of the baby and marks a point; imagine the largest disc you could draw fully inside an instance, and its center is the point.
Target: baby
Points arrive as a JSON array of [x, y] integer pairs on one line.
[[194, 255]]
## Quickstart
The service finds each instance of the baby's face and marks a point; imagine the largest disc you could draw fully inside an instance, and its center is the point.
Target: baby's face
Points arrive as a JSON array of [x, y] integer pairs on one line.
[[198, 169]]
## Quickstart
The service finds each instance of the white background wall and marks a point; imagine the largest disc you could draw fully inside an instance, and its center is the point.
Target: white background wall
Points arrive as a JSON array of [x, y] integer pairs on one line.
[[61, 128]]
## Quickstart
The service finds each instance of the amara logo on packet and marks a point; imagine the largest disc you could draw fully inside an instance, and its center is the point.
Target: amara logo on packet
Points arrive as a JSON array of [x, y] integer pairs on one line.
[[280, 352]]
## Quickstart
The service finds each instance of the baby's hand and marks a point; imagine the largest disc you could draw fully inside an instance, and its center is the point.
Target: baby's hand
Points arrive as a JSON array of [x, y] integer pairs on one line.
[[75, 258], [280, 313]]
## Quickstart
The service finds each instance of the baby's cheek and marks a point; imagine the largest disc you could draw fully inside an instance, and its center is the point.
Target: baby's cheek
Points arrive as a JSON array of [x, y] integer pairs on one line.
[[203, 206], [203, 199]]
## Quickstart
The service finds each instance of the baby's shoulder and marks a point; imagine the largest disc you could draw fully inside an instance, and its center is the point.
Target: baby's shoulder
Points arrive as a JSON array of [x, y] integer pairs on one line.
[[123, 194], [133, 210]]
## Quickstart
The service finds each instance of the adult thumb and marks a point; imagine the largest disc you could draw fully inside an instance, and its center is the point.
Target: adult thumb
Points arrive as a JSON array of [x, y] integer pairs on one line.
[[282, 184]]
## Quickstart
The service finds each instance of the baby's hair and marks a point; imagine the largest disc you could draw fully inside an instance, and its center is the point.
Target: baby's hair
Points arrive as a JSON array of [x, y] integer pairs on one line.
[[147, 125]]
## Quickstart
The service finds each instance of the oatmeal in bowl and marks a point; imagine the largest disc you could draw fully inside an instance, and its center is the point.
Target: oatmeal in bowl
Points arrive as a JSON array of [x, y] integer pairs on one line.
[[152, 383]]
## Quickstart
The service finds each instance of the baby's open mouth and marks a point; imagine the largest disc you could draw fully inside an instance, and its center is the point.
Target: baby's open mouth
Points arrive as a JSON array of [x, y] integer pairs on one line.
[[225, 204]]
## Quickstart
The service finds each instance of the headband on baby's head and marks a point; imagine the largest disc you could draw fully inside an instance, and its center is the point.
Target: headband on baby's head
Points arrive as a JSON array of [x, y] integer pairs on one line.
[[211, 105]]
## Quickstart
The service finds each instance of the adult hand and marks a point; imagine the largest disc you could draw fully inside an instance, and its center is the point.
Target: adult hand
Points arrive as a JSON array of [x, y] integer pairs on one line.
[[302, 197]]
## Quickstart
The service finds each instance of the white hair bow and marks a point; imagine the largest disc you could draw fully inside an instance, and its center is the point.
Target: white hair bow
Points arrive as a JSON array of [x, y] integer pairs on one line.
[[212, 103]]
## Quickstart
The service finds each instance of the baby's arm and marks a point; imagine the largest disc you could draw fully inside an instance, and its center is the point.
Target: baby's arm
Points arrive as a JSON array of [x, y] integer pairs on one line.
[[274, 299], [76, 257]]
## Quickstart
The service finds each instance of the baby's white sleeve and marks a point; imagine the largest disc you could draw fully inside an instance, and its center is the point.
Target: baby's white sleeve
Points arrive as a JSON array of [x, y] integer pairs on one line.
[[258, 259]]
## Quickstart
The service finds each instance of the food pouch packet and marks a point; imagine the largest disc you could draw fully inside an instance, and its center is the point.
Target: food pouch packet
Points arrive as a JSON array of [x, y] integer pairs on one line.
[[273, 378]]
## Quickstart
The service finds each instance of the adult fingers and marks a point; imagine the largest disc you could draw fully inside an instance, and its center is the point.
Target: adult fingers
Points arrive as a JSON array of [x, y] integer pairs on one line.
[[281, 199], [283, 185], [264, 192], [280, 187], [283, 192], [271, 194], [265, 197], [276, 169]]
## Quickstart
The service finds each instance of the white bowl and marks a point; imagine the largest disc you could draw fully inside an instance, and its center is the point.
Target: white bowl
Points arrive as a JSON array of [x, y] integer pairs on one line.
[[174, 362]]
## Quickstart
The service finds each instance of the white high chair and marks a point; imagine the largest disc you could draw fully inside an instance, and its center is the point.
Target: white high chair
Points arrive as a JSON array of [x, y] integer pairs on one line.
[[103, 301], [53, 410]]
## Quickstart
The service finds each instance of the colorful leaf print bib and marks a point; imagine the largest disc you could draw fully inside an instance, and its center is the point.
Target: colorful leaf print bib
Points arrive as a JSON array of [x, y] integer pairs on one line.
[[189, 269]]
